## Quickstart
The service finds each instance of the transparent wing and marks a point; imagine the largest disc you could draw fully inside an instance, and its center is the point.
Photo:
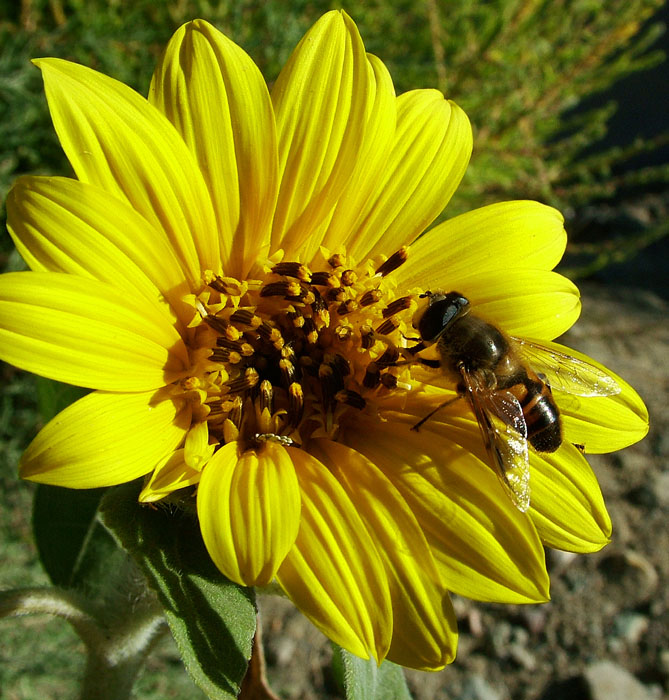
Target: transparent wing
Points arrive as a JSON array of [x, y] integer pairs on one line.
[[506, 444], [566, 373]]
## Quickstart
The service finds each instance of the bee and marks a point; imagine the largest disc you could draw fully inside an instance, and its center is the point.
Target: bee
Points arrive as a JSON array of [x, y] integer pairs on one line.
[[508, 383]]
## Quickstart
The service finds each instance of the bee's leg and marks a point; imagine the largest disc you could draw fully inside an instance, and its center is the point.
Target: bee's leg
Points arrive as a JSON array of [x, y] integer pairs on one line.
[[435, 364], [431, 413]]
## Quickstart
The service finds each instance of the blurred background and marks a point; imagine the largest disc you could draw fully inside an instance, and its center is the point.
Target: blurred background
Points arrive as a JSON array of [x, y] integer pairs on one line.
[[569, 103]]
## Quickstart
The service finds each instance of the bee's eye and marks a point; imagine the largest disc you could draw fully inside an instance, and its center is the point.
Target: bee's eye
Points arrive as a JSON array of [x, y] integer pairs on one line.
[[441, 313]]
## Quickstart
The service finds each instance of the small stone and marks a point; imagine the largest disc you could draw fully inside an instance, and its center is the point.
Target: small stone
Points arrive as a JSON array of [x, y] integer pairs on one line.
[[660, 488], [609, 681], [475, 687], [631, 626]]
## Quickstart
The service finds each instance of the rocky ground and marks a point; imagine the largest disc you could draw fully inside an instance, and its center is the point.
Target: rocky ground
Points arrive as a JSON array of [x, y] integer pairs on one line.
[[605, 634]]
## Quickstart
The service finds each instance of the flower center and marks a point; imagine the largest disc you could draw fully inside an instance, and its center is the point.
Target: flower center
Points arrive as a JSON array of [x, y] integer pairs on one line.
[[286, 357]]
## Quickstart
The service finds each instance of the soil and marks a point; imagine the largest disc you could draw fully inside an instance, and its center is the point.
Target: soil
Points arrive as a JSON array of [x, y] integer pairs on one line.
[[605, 633]]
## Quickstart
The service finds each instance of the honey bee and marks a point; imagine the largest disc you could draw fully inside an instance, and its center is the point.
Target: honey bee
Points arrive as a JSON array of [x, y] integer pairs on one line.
[[508, 383]]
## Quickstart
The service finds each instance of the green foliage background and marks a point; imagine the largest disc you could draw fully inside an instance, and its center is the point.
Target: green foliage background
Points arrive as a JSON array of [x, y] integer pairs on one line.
[[519, 68]]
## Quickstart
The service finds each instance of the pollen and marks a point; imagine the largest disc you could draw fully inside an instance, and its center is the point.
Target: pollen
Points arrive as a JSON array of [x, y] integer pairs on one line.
[[289, 356]]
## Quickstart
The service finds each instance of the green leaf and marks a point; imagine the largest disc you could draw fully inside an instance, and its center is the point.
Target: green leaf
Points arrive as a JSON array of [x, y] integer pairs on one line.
[[53, 397], [212, 619], [364, 680], [75, 550]]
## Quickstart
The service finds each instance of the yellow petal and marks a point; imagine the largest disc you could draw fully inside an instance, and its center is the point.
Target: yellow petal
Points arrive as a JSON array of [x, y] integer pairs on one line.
[[115, 139], [197, 449], [170, 475], [431, 150], [567, 505], [601, 423], [334, 574], [105, 439], [79, 331], [217, 99], [503, 236], [321, 100], [248, 505], [64, 225], [370, 163], [526, 303], [486, 549], [424, 626]]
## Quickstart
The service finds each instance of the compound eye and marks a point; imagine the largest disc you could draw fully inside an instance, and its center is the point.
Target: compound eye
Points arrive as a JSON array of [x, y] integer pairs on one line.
[[441, 313]]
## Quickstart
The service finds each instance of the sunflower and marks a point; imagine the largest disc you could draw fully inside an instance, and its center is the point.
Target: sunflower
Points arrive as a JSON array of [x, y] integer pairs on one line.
[[235, 272]]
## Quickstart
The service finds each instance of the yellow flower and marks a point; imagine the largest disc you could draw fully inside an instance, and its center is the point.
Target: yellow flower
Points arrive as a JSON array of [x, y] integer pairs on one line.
[[235, 273]]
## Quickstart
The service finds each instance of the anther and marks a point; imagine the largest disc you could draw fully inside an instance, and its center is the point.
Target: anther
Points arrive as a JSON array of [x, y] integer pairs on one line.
[[293, 269], [323, 279], [393, 262], [351, 398], [247, 381], [296, 317], [343, 333], [288, 373], [235, 414], [284, 288], [389, 380], [396, 306], [310, 331], [227, 285], [388, 326], [372, 376], [389, 357], [225, 355], [347, 307], [266, 396], [342, 364], [246, 317], [295, 404], [218, 324], [244, 349], [271, 334], [335, 294], [337, 260], [371, 296], [348, 277], [366, 336]]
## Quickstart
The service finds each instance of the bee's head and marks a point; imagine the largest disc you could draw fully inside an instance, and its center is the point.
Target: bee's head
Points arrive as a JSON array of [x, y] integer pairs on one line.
[[437, 312]]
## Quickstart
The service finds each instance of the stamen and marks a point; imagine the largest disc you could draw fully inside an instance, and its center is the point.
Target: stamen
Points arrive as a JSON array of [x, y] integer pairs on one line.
[[244, 349], [366, 336], [371, 296], [396, 306], [218, 324], [247, 381], [324, 279], [393, 262], [388, 326], [295, 404], [372, 376], [389, 357], [225, 355], [348, 278], [235, 414], [266, 397], [351, 398], [337, 260], [227, 285], [347, 307], [246, 317], [389, 380], [285, 288], [293, 269], [288, 373]]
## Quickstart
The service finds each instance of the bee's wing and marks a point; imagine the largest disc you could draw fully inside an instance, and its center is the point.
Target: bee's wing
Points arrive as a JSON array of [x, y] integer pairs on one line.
[[566, 373], [506, 446]]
